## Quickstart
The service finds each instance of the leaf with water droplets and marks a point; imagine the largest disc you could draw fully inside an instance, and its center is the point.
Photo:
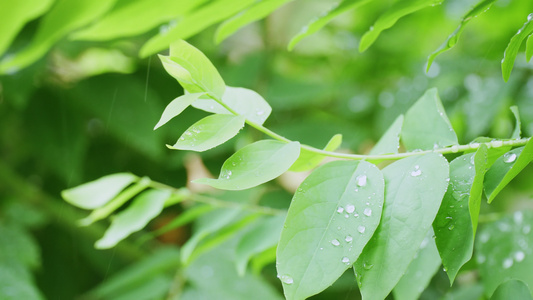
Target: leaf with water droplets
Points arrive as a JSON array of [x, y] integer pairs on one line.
[[450, 42], [459, 211], [426, 125], [411, 203], [320, 241], [192, 69], [512, 289], [390, 141], [321, 21], [309, 160], [504, 250], [97, 193], [417, 277], [209, 132], [505, 168], [245, 102], [509, 56], [176, 106], [255, 164], [517, 130], [397, 10]]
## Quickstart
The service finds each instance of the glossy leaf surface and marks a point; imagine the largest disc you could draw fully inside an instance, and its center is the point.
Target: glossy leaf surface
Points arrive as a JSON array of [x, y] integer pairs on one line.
[[509, 56], [176, 106]]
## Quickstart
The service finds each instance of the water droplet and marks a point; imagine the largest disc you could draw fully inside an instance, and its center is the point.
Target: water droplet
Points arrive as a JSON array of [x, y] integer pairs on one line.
[[416, 173], [346, 216], [361, 229], [356, 215], [286, 279], [229, 173], [356, 190], [455, 148], [350, 208], [335, 242], [367, 266], [473, 160], [182, 138], [340, 210], [519, 256], [348, 238], [361, 180], [346, 260], [496, 144], [530, 17], [233, 164], [449, 218], [367, 212], [507, 263], [474, 145], [188, 133], [509, 157], [451, 227]]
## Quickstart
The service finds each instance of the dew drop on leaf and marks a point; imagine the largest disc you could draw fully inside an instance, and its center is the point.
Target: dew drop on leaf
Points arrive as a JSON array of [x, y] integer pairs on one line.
[[340, 210], [335, 242], [367, 266], [346, 260], [350, 208], [367, 212], [361, 229], [496, 144], [507, 263], [455, 148], [519, 256], [451, 227], [286, 279], [509, 157], [361, 180], [348, 238], [416, 173], [530, 17]]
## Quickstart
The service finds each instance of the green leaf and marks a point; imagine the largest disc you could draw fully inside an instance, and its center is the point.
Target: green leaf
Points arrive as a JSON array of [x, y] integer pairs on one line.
[[511, 51], [176, 106], [207, 15], [14, 15], [245, 102], [505, 168], [426, 125], [414, 190], [255, 164], [517, 131], [503, 251], [456, 221], [263, 236], [192, 69], [450, 42], [390, 141], [423, 267], [256, 12], [398, 10], [332, 216], [17, 283], [97, 193], [144, 208], [512, 289], [260, 261], [209, 132], [529, 47], [321, 21], [63, 17], [309, 160], [134, 18], [18, 246]]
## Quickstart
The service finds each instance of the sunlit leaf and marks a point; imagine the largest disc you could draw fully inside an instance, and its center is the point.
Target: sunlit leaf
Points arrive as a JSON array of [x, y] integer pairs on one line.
[[207, 15], [456, 221], [450, 42], [245, 102], [503, 251], [321, 21], [332, 216], [256, 12], [414, 190], [511, 51], [517, 133], [255, 164], [97, 193], [390, 140], [309, 160], [505, 168], [209, 132], [397, 10], [512, 289], [417, 277], [176, 106], [426, 125], [135, 17]]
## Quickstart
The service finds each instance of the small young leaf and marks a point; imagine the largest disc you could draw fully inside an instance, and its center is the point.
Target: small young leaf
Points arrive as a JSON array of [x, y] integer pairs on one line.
[[390, 141], [209, 132], [332, 216], [175, 107], [512, 289], [309, 160], [144, 208], [96, 193], [388, 19], [426, 125], [317, 24], [511, 51], [255, 164], [505, 168], [503, 251], [517, 130], [192, 69], [456, 221], [245, 102], [417, 277], [414, 190], [254, 13], [529, 48], [263, 236], [450, 42]]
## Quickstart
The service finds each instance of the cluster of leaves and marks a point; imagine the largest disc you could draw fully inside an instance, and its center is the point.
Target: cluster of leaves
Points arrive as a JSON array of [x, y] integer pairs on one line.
[[394, 226]]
